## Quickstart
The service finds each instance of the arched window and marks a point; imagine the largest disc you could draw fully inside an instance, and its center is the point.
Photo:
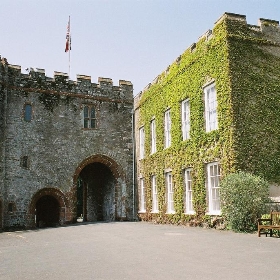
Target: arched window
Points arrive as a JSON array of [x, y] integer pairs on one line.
[[27, 112], [89, 117]]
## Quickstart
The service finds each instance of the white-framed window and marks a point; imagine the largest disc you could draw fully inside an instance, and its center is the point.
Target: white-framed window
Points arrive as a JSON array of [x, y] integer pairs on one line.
[[188, 191], [141, 142], [211, 117], [213, 182], [186, 122], [170, 193], [89, 116], [153, 136], [167, 129], [142, 196], [154, 195]]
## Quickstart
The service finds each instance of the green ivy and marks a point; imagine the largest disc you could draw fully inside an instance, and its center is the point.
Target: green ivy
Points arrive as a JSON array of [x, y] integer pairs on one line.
[[245, 75], [50, 101]]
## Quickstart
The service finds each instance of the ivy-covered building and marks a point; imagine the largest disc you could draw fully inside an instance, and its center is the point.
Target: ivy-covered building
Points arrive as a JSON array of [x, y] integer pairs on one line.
[[66, 149], [213, 111]]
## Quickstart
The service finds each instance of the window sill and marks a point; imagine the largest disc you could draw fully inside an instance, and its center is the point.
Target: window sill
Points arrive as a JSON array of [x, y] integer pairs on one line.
[[155, 212], [142, 211], [165, 148], [209, 131], [189, 213], [214, 213], [170, 213], [89, 129]]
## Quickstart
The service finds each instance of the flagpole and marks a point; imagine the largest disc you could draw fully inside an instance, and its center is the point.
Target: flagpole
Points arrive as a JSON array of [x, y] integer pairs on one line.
[[69, 62]]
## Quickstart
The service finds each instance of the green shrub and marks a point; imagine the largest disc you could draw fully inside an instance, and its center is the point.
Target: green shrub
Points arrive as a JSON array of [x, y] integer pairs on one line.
[[243, 198]]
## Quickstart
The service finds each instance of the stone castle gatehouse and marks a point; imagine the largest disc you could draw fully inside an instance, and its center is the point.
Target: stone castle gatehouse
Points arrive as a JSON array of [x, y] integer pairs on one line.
[[65, 149]]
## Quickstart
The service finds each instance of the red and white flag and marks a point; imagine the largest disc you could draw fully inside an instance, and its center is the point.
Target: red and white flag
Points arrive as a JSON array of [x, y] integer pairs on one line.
[[68, 38]]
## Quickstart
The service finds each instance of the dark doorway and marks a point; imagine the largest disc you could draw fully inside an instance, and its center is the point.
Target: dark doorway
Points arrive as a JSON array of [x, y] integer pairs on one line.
[[47, 212], [96, 193]]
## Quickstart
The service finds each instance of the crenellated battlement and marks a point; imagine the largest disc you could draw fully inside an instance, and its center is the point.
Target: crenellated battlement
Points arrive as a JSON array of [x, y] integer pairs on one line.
[[267, 28], [36, 80]]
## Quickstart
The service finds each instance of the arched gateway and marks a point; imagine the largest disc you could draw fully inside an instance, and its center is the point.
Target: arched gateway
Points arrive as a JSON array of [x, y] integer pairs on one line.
[[48, 207], [98, 194], [100, 189]]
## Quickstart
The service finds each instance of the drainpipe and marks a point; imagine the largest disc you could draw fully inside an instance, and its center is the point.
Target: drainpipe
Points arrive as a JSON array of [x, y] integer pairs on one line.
[[133, 165]]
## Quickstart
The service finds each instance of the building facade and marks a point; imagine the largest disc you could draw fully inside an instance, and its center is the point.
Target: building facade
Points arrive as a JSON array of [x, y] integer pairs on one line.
[[71, 148], [66, 149], [213, 111]]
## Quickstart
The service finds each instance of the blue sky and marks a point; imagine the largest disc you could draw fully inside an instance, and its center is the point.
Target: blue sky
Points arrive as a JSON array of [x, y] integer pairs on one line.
[[131, 40]]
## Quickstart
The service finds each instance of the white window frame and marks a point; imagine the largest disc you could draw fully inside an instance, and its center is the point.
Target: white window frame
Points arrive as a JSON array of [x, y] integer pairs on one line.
[[153, 136], [141, 142], [167, 129], [211, 115], [154, 195], [188, 191], [170, 193], [142, 204], [213, 184], [186, 121]]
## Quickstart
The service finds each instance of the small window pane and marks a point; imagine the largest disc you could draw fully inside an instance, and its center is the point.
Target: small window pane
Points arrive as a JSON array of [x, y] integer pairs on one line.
[[167, 129], [141, 143], [142, 196], [92, 113], [85, 123], [27, 112], [154, 194], [92, 123], [86, 111], [153, 136]]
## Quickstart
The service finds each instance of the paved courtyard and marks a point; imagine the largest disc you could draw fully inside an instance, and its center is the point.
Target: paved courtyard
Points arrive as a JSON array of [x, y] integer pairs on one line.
[[130, 250]]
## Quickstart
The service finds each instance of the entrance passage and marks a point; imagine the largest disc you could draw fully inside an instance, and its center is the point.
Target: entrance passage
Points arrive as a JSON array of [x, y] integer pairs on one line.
[[47, 211], [96, 193]]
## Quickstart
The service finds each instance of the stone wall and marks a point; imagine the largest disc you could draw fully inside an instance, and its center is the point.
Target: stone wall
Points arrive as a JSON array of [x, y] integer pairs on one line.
[[54, 143]]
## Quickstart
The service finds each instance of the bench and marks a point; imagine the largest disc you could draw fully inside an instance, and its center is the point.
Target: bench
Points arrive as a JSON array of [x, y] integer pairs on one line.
[[269, 224]]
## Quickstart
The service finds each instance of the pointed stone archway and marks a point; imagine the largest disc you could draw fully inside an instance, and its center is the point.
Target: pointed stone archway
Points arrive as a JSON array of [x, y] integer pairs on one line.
[[48, 208], [100, 189]]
